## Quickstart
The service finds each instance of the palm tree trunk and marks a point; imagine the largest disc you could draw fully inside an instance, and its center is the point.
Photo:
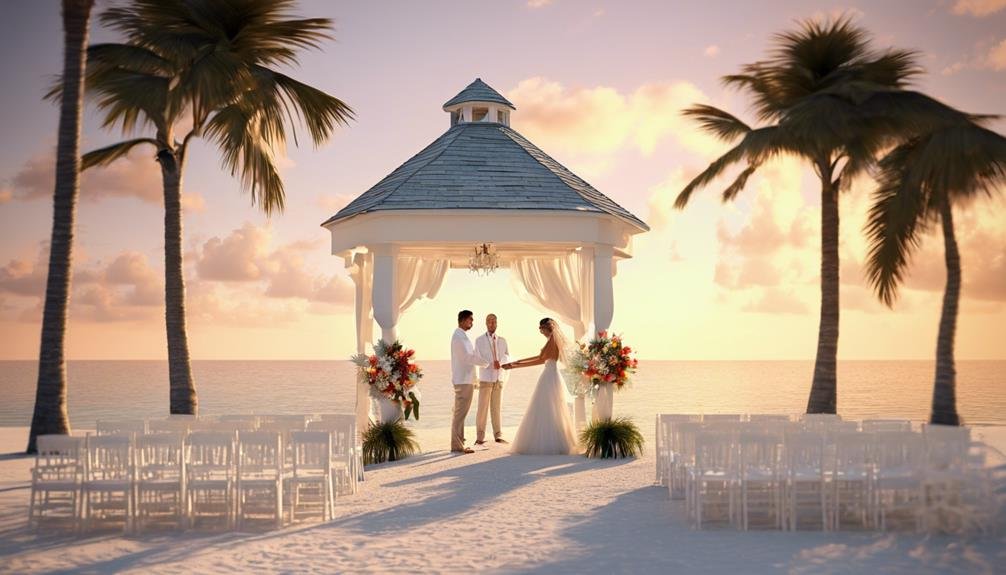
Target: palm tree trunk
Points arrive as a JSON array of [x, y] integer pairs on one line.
[[182, 390], [944, 409], [50, 415], [824, 388]]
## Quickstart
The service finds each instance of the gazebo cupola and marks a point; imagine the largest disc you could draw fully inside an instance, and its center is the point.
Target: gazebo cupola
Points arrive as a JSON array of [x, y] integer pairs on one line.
[[479, 103]]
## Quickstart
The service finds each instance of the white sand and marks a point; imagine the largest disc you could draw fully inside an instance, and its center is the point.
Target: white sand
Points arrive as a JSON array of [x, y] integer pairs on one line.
[[486, 512]]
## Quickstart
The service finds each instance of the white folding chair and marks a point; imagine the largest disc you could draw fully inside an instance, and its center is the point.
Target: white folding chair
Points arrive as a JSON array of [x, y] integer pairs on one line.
[[243, 418], [107, 488], [160, 480], [112, 426], [851, 478], [722, 418], [345, 456], [662, 443], [760, 479], [819, 421], [945, 477], [221, 426], [899, 460], [884, 425], [210, 476], [805, 477], [711, 478], [681, 437], [261, 473], [56, 479], [348, 420], [768, 417], [311, 484]]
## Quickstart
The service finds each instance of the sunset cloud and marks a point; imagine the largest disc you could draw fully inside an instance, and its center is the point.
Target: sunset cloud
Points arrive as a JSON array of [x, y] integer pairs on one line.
[[996, 57], [135, 176], [127, 289], [245, 255], [711, 50], [601, 120], [978, 7], [240, 256]]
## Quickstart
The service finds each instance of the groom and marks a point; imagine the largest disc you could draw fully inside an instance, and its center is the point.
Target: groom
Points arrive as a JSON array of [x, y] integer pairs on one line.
[[493, 351], [463, 362]]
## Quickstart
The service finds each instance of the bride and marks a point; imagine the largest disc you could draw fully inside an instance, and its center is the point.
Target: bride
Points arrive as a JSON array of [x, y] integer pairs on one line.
[[546, 428]]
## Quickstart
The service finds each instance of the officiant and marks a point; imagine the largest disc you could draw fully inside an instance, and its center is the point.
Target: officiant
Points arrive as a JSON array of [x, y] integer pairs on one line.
[[493, 349]]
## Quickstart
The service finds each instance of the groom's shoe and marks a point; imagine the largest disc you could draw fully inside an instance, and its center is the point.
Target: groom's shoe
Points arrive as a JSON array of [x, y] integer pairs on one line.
[[501, 440], [463, 451], [480, 442]]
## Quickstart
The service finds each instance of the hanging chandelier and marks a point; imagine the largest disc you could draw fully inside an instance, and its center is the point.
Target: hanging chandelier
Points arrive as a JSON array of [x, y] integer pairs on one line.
[[485, 260]]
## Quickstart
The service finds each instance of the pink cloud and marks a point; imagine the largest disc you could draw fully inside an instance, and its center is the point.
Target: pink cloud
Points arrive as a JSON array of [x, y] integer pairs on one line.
[[245, 255], [135, 176], [978, 8], [238, 257]]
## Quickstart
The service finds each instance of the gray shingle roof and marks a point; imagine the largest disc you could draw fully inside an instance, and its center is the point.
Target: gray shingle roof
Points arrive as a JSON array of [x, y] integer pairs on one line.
[[483, 165], [479, 91]]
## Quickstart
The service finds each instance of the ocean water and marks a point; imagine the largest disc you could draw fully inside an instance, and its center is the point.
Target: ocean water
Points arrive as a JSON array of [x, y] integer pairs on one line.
[[867, 389]]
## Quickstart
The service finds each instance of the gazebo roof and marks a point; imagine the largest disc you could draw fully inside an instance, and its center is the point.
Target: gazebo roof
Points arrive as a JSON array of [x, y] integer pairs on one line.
[[478, 91], [484, 165]]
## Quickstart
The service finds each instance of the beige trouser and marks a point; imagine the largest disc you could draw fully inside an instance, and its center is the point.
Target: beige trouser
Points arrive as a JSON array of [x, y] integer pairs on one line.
[[490, 393], [462, 403]]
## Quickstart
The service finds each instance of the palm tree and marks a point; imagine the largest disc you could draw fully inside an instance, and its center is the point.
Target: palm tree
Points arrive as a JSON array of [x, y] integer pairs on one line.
[[920, 182], [211, 64], [50, 414], [825, 96]]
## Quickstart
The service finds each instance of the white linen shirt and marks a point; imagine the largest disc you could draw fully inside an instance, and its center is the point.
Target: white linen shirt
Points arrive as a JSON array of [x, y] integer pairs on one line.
[[463, 358], [483, 345]]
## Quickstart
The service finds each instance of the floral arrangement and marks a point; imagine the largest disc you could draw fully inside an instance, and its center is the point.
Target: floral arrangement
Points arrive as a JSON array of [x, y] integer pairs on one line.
[[392, 374], [603, 361]]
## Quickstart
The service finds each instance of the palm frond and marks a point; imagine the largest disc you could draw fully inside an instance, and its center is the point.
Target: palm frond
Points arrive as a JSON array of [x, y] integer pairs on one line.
[[108, 154], [130, 57], [898, 216], [723, 125], [320, 112], [235, 130], [757, 146]]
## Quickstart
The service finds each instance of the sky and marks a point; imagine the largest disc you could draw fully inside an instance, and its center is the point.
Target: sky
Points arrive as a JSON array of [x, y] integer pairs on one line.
[[597, 85]]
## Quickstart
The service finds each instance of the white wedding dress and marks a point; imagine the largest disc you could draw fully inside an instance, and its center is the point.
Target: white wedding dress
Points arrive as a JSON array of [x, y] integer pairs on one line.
[[546, 428]]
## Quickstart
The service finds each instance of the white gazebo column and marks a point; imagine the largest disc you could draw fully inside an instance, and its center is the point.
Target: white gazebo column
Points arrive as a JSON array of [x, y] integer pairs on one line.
[[386, 309], [385, 283], [361, 273], [604, 308]]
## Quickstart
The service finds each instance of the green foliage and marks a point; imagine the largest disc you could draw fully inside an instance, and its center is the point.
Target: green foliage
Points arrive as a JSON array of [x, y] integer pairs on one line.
[[612, 438], [388, 441], [412, 408]]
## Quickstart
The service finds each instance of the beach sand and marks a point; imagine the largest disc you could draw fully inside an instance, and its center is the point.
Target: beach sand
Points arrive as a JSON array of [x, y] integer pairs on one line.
[[488, 511]]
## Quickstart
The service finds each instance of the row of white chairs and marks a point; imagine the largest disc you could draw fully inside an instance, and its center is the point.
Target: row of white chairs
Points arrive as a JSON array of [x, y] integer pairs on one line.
[[184, 478], [822, 471], [345, 423]]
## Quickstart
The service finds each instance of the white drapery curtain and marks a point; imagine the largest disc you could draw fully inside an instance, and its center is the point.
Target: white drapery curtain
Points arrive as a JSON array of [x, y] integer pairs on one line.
[[561, 285], [361, 271], [418, 278], [415, 279]]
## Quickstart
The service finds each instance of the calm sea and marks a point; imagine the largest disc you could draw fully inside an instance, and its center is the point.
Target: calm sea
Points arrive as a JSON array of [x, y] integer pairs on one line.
[[117, 389]]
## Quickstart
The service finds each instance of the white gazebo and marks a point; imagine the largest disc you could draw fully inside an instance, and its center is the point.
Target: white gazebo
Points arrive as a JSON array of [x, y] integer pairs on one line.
[[481, 185]]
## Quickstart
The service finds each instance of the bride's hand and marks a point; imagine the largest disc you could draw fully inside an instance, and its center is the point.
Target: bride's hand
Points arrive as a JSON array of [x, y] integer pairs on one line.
[[507, 366]]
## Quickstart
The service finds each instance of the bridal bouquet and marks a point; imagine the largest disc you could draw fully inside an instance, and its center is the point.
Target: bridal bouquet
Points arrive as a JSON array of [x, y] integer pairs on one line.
[[392, 374], [603, 361]]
